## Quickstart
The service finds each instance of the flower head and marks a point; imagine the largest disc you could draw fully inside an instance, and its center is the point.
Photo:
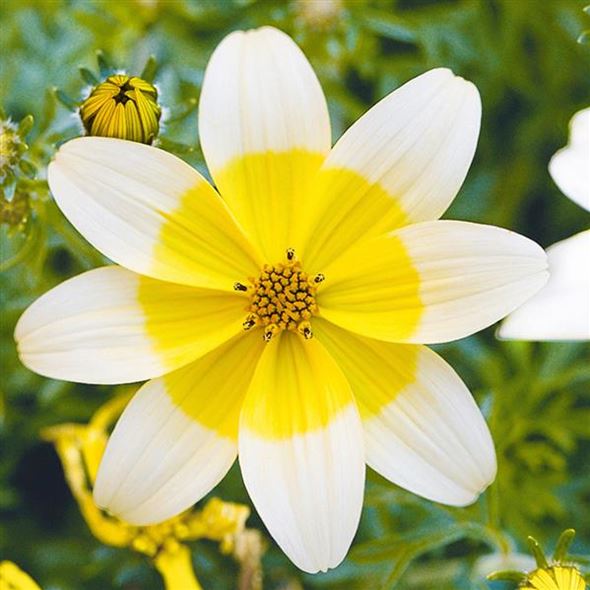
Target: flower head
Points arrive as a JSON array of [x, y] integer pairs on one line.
[[557, 575], [122, 106], [561, 310], [284, 322]]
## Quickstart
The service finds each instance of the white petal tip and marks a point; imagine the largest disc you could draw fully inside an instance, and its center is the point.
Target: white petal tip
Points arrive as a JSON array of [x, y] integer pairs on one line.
[[311, 565], [102, 499], [560, 311], [140, 514], [461, 498], [470, 496]]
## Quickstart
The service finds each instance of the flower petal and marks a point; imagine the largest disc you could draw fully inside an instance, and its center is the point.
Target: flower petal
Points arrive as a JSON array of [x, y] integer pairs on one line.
[[569, 166], [402, 162], [150, 212], [431, 282], [301, 452], [561, 309], [178, 436], [423, 430], [110, 325], [265, 129]]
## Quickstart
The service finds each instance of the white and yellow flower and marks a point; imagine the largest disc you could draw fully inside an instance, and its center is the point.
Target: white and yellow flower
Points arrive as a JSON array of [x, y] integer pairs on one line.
[[561, 309], [283, 322]]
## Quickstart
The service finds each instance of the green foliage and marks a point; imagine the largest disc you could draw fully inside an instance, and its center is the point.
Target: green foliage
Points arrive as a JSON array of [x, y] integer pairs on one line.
[[532, 74]]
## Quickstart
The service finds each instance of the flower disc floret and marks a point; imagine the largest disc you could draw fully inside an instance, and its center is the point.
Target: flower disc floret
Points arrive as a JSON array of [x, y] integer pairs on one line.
[[282, 298]]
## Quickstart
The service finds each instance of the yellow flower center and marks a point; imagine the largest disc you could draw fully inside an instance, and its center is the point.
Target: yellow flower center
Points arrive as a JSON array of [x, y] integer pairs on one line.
[[282, 298]]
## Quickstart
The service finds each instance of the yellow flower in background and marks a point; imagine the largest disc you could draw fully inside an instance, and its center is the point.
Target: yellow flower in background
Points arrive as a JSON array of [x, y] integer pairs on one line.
[[80, 448], [561, 309], [557, 575], [13, 578], [555, 578], [283, 322], [122, 106]]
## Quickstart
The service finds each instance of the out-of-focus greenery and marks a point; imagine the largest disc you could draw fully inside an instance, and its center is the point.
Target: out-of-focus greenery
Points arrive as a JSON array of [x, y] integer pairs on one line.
[[532, 75]]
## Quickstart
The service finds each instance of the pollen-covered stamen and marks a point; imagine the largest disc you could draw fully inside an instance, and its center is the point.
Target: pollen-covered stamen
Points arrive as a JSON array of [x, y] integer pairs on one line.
[[304, 328], [250, 321], [282, 298]]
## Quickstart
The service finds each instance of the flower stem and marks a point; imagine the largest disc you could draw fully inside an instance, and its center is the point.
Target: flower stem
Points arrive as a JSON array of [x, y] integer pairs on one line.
[[176, 569]]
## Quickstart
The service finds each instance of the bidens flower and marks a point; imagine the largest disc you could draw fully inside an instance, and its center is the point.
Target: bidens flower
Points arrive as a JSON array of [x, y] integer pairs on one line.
[[561, 310], [281, 321]]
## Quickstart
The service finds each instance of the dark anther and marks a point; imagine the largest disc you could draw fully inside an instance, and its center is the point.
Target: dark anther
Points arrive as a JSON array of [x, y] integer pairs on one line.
[[307, 333], [240, 287], [249, 323], [319, 278], [290, 253], [270, 331]]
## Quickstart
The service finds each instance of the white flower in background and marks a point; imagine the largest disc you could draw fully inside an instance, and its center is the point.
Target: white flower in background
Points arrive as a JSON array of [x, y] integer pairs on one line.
[[561, 309], [284, 322], [570, 166]]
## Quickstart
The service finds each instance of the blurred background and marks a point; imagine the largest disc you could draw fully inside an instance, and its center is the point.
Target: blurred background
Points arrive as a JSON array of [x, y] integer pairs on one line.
[[532, 74]]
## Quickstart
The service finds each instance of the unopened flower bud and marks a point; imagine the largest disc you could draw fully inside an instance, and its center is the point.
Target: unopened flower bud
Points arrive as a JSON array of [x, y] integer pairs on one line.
[[122, 106]]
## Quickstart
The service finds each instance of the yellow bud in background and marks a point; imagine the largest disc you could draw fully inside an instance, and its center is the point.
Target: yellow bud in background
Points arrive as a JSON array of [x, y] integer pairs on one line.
[[13, 578], [124, 107]]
